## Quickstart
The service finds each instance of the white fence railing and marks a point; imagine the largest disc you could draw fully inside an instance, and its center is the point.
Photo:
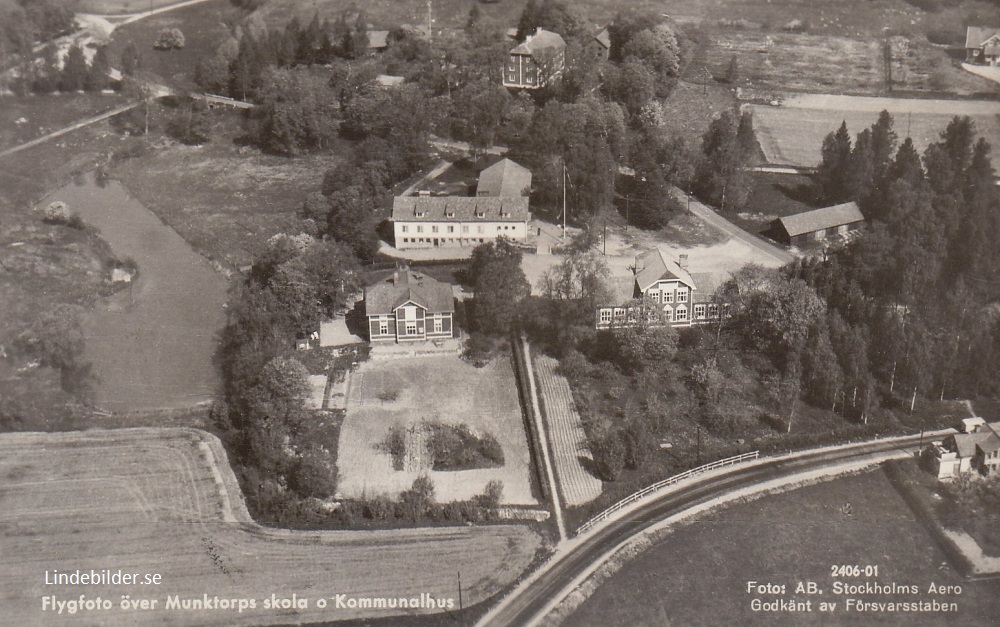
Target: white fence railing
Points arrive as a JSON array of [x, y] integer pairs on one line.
[[656, 487]]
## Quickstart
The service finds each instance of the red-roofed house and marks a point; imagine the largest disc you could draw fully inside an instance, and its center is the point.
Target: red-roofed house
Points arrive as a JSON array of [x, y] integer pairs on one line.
[[408, 306], [982, 45], [686, 299], [536, 62]]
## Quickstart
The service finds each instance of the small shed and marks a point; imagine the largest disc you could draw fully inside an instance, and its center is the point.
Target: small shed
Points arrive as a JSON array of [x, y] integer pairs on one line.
[[817, 225]]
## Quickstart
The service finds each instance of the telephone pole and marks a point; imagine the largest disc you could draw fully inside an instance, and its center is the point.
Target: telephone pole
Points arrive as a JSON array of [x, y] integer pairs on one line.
[[564, 198]]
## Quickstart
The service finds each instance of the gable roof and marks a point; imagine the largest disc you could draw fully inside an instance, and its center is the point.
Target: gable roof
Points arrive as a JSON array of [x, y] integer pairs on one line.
[[824, 218], [708, 284], [603, 38], [976, 36], [504, 179], [404, 286], [651, 267], [542, 40], [462, 209]]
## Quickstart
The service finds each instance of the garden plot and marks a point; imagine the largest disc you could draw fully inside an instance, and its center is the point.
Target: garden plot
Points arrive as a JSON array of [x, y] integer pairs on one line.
[[387, 394], [165, 501]]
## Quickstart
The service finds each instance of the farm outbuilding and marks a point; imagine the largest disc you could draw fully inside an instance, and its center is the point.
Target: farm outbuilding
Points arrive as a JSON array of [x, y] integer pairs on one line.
[[817, 225]]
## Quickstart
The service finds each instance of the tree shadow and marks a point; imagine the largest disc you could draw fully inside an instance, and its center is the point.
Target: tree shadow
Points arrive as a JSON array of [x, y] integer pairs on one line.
[[357, 321], [590, 466]]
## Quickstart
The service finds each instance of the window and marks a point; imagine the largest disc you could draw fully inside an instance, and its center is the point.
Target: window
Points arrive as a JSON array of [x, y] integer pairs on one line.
[[405, 228], [411, 328], [668, 296], [481, 229], [655, 295], [451, 229], [434, 229], [713, 310], [668, 313], [682, 295], [499, 227], [699, 312], [383, 327], [605, 316], [438, 324], [465, 228], [682, 314], [420, 228]]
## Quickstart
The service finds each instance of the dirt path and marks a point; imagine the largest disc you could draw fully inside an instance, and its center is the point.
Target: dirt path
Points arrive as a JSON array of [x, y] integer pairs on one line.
[[69, 129], [830, 102]]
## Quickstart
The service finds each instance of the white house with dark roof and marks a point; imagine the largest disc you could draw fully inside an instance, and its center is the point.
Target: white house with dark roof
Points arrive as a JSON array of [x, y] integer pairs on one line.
[[454, 221], [535, 62], [975, 448], [982, 45], [408, 306], [504, 179], [817, 225], [686, 299]]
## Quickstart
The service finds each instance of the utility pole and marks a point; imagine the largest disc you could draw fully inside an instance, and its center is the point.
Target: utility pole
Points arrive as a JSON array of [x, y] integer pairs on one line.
[[698, 449], [605, 237], [460, 608], [430, 31], [913, 401], [564, 197], [626, 212]]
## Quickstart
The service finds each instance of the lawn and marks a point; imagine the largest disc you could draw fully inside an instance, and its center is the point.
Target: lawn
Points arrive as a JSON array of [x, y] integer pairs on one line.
[[775, 196], [23, 118], [233, 198], [697, 574], [166, 501], [792, 135], [403, 392], [205, 28]]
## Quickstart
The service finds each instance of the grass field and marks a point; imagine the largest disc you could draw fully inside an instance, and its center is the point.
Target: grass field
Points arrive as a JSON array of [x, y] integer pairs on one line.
[[697, 575], [441, 388], [165, 501], [774, 196], [25, 118], [233, 199], [791, 135]]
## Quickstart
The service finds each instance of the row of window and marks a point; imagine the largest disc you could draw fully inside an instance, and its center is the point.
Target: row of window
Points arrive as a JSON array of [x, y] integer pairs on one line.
[[428, 240], [480, 228], [411, 326], [667, 296], [702, 311]]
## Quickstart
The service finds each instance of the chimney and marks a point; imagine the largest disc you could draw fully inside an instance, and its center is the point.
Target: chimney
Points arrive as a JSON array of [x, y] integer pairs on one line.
[[683, 262]]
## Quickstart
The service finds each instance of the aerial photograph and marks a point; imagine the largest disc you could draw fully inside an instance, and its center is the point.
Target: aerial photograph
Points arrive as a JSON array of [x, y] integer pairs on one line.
[[500, 313]]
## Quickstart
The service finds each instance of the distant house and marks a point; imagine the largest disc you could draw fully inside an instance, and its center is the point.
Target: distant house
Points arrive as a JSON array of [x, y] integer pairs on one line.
[[976, 448], [982, 45], [685, 299], [451, 221], [817, 225], [536, 62], [601, 45], [388, 80], [504, 179], [378, 40], [408, 306]]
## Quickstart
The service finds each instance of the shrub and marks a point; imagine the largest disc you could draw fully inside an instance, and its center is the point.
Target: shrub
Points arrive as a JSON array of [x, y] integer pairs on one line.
[[60, 213], [943, 36], [795, 26], [455, 447]]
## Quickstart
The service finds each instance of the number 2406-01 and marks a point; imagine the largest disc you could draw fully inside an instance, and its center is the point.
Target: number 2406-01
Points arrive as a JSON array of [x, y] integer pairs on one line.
[[848, 570]]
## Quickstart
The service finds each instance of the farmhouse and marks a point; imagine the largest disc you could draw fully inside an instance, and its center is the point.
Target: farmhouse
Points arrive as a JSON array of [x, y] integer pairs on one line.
[[982, 45], [686, 299], [408, 306], [450, 221], [504, 179], [977, 448], [815, 226], [536, 62], [601, 45]]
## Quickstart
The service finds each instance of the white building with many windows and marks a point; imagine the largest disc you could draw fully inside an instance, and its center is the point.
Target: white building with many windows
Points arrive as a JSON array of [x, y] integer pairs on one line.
[[453, 221], [686, 299]]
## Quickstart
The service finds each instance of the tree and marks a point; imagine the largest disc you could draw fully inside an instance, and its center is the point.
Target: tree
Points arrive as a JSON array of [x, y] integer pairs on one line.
[[189, 125], [100, 67], [832, 171], [633, 85], [645, 340], [656, 48], [500, 285], [728, 149], [46, 74], [131, 59], [295, 112], [74, 72], [169, 39], [583, 277]]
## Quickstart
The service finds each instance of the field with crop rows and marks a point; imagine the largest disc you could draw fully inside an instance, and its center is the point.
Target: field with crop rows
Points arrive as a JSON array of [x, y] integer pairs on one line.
[[793, 133], [165, 501], [568, 440]]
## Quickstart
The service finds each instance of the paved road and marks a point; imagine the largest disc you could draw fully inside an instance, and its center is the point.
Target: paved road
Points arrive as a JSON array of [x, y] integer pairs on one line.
[[529, 603], [727, 227]]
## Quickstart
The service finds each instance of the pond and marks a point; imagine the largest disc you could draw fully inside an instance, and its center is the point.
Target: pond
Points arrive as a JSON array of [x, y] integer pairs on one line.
[[152, 344]]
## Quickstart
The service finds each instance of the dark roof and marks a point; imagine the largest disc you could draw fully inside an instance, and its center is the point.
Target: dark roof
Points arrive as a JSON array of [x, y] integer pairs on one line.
[[818, 219], [460, 208], [976, 36], [504, 179], [403, 286], [542, 40], [708, 283], [652, 267]]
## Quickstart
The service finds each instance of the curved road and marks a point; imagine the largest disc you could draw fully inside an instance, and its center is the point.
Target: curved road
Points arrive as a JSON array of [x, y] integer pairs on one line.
[[529, 604]]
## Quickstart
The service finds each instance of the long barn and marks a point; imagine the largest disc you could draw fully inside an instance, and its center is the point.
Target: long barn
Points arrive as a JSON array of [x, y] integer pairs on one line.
[[817, 225]]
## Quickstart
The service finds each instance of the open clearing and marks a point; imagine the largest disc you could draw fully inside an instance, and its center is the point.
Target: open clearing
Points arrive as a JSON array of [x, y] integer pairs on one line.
[[165, 501], [793, 133], [697, 575], [400, 392]]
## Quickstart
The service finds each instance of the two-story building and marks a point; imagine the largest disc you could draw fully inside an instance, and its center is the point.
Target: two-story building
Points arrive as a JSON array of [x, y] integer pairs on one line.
[[686, 299], [537, 61], [409, 306], [982, 45], [451, 221], [975, 448]]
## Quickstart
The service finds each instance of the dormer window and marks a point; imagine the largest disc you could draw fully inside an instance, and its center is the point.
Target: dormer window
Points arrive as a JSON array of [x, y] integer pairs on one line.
[[449, 212], [480, 212], [417, 211]]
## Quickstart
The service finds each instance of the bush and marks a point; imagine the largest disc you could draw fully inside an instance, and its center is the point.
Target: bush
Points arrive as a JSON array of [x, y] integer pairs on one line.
[[945, 36], [455, 447], [59, 213], [169, 38]]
